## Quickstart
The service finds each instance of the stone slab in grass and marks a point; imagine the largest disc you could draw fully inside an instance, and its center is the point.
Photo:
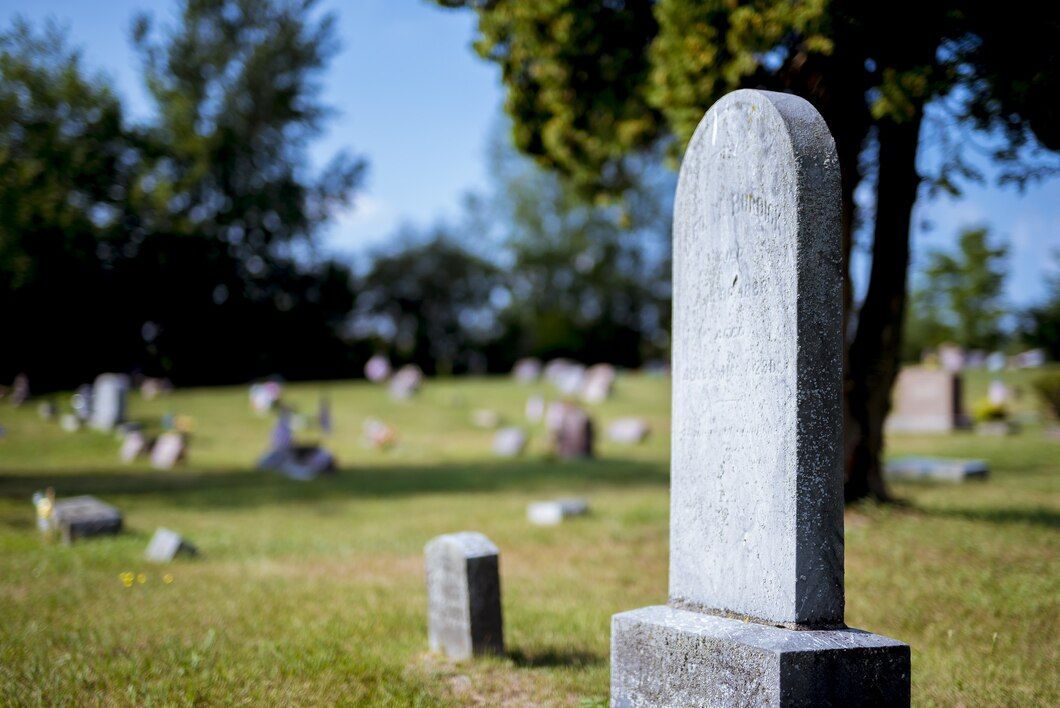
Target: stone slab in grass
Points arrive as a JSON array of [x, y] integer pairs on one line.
[[936, 469], [85, 516]]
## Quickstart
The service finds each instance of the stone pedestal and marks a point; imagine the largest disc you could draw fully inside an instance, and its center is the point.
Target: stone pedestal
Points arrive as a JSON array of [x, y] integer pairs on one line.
[[662, 656]]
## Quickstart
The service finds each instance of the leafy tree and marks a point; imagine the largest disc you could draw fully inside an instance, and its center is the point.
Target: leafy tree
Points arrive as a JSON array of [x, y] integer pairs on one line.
[[591, 81], [1040, 325], [584, 278], [66, 164], [432, 303], [230, 209]]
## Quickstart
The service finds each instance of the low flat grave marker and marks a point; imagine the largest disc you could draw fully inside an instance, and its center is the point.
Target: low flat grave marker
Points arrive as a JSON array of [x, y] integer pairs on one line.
[[463, 595], [755, 612], [936, 468], [166, 544], [553, 512], [85, 516]]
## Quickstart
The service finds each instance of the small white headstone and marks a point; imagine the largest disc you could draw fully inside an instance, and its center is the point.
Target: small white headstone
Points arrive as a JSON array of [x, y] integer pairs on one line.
[[509, 442], [168, 451], [165, 545]]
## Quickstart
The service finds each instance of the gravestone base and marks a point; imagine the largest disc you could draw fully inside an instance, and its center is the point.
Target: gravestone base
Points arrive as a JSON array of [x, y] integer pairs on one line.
[[663, 656]]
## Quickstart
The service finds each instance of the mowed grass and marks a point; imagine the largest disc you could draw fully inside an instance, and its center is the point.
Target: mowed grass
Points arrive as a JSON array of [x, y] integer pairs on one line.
[[314, 592]]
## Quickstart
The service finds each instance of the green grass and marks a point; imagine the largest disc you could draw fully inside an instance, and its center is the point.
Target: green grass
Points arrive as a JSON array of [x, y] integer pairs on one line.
[[314, 592]]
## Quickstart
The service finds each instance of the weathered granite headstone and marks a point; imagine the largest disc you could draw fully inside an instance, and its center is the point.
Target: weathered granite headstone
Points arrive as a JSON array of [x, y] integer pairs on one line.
[[926, 401], [165, 545], [463, 595], [81, 517], [134, 445], [109, 394], [406, 382], [755, 613]]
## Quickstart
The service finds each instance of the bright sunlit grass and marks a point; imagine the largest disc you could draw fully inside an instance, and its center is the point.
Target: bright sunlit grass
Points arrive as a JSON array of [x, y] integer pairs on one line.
[[314, 592]]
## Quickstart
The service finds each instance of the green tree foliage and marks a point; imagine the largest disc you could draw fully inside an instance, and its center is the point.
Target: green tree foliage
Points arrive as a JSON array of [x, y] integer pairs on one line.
[[960, 299], [586, 280], [590, 82], [1040, 325], [66, 163], [226, 193], [431, 302]]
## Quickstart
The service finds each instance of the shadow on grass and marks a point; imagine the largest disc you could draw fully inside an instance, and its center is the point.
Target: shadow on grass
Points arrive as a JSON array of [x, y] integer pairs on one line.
[[1034, 516], [240, 488], [550, 658]]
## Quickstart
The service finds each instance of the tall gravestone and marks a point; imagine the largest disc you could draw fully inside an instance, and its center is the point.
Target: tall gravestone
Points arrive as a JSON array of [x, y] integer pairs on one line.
[[109, 395], [463, 596], [755, 613]]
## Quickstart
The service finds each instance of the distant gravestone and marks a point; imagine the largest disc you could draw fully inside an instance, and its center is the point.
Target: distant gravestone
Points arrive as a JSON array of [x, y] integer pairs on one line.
[[406, 382], [755, 612], [109, 395], [168, 450], [925, 401], [598, 383], [165, 545], [299, 462], [936, 469], [628, 431], [85, 516], [527, 370], [377, 369], [132, 446], [464, 596], [551, 513], [509, 442], [69, 422], [535, 409], [572, 431]]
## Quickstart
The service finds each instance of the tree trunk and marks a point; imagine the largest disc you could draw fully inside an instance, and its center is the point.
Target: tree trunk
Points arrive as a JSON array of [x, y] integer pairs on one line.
[[874, 353]]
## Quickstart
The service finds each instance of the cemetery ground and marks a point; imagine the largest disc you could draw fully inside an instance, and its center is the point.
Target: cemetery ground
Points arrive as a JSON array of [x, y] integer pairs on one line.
[[313, 592]]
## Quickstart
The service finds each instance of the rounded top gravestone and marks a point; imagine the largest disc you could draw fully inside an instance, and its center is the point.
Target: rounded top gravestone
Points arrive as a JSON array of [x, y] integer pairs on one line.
[[756, 500]]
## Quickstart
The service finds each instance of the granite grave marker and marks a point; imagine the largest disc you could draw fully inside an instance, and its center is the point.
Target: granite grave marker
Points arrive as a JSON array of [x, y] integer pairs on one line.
[[464, 596], [755, 612]]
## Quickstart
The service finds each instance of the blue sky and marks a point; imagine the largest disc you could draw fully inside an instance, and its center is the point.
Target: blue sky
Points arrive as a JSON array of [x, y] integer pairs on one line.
[[414, 99]]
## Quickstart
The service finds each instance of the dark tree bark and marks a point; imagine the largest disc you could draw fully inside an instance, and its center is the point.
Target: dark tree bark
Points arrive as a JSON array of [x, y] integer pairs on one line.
[[873, 356]]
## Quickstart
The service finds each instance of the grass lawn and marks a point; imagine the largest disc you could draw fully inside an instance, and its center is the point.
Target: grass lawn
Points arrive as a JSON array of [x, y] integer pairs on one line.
[[314, 592]]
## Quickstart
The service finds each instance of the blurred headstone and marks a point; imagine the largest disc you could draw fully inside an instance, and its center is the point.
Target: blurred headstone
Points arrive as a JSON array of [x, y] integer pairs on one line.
[[597, 383], [168, 450], [629, 431], [69, 422], [377, 369], [951, 358], [282, 435], [1030, 359], [152, 388], [535, 409], [324, 415], [19, 390], [485, 418], [406, 382], [81, 402], [299, 462], [926, 401], [47, 410], [85, 516], [566, 375], [134, 445], [165, 545], [997, 392], [527, 370], [573, 435], [378, 434], [109, 394], [550, 513], [936, 468], [463, 596], [265, 396], [509, 442], [995, 361]]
